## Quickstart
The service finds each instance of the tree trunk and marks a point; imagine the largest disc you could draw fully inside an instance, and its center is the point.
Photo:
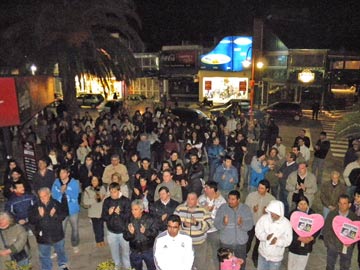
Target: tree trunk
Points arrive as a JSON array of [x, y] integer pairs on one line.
[[67, 75]]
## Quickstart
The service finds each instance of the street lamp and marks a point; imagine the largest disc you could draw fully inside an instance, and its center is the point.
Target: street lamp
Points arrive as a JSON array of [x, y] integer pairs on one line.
[[33, 69], [259, 65]]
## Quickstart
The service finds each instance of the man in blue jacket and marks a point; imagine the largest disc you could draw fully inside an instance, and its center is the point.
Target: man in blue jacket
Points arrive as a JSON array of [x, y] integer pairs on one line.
[[226, 175], [258, 169], [67, 189], [20, 203], [234, 220]]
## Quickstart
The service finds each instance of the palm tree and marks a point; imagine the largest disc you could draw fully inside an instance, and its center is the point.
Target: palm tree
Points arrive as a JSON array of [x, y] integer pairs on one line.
[[81, 36]]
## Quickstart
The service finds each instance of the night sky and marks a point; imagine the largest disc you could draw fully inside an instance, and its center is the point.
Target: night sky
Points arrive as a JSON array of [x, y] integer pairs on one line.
[[333, 24]]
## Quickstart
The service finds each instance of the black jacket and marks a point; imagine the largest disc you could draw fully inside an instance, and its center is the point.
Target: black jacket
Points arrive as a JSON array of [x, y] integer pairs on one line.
[[295, 246], [114, 222], [141, 242], [158, 209], [40, 181], [324, 149], [48, 229], [84, 178], [195, 175]]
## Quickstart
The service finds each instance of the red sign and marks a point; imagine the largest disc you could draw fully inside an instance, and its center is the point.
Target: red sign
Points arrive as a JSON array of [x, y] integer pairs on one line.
[[242, 86], [9, 114], [208, 85]]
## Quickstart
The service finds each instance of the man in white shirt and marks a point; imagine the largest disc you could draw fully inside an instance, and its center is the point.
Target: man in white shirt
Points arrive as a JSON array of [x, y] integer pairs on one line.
[[280, 147], [304, 150], [172, 248]]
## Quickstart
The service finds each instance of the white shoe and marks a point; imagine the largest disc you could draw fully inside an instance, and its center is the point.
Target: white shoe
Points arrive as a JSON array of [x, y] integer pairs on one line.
[[53, 256]]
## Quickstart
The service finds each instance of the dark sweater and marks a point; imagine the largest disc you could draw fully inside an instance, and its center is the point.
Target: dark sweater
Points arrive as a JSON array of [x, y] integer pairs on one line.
[[40, 181], [295, 246]]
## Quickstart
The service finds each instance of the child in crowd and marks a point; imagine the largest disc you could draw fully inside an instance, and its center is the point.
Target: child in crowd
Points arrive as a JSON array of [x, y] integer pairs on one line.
[[227, 259]]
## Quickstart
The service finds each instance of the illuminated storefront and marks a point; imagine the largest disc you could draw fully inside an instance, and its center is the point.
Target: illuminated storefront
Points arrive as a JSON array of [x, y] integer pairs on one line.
[[223, 75], [220, 87]]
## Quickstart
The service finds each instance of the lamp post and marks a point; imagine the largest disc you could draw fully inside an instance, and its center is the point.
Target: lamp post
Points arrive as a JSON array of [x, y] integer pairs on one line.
[[259, 65]]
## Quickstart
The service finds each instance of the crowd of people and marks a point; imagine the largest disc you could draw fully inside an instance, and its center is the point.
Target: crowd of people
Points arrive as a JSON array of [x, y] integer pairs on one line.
[[166, 192]]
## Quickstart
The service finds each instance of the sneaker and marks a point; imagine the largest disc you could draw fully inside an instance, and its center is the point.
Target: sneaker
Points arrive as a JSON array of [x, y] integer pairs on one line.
[[76, 249], [53, 256]]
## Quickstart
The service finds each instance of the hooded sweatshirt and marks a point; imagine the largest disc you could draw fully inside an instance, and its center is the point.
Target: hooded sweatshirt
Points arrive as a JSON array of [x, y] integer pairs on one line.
[[281, 229]]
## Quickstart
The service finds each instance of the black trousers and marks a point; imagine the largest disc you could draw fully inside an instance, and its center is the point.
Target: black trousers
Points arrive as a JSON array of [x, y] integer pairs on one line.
[[255, 253]]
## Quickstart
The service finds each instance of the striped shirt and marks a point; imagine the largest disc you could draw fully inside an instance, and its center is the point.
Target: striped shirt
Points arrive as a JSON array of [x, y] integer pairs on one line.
[[200, 220]]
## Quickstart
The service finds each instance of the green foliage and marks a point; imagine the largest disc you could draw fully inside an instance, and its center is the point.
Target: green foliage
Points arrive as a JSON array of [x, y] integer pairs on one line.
[[12, 265], [349, 125]]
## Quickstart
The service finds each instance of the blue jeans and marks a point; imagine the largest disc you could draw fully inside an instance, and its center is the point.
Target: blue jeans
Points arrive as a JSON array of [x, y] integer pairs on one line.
[[263, 264], [24, 262], [137, 258], [283, 196], [45, 253], [117, 243], [74, 223]]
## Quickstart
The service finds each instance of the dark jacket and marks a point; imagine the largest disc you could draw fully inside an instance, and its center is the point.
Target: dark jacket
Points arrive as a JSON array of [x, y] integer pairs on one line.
[[295, 246], [324, 149], [19, 206], [40, 181], [84, 178], [141, 242], [330, 238], [48, 229], [114, 222], [195, 176], [158, 209]]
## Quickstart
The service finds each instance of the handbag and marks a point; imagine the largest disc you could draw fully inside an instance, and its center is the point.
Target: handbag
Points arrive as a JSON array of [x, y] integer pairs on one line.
[[18, 257]]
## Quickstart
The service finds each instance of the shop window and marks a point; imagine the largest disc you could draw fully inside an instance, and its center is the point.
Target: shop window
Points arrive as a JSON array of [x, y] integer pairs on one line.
[[352, 64]]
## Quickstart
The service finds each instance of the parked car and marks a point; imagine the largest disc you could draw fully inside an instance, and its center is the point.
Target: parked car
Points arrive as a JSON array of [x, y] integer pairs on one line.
[[235, 106], [135, 98], [284, 110], [189, 115], [89, 100], [109, 105]]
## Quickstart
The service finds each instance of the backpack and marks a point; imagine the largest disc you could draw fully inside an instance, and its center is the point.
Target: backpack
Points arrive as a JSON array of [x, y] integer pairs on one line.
[[354, 177]]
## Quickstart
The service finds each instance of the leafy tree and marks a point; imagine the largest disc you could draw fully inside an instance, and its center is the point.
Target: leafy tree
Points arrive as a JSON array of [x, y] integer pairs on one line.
[[349, 125], [81, 36]]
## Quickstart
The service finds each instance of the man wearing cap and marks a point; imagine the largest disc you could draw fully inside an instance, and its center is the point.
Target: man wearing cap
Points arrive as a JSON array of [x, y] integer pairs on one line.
[[226, 175], [258, 169], [321, 148]]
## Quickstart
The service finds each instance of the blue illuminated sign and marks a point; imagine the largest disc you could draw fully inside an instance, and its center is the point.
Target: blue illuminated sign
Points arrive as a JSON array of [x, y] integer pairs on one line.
[[228, 55]]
